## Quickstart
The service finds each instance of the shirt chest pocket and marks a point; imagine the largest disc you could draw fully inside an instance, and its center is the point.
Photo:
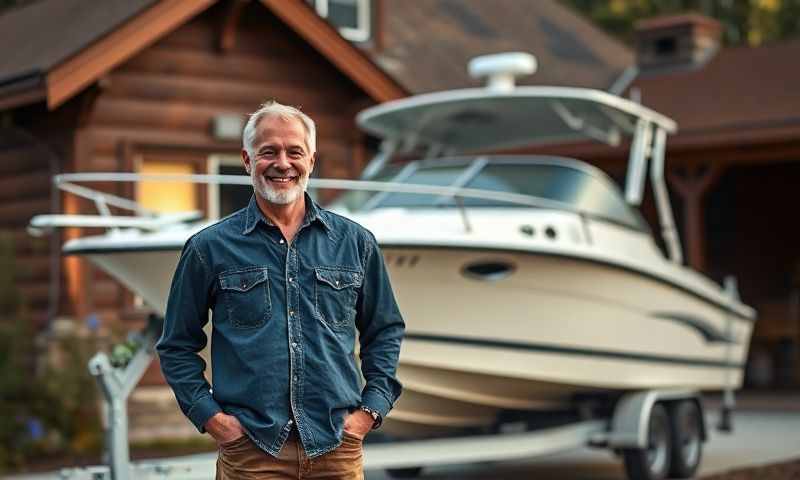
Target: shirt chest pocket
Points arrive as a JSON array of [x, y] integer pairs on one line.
[[245, 297], [335, 296]]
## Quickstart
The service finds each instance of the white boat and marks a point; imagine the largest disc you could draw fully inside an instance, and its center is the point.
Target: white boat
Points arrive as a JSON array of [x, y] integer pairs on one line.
[[527, 283]]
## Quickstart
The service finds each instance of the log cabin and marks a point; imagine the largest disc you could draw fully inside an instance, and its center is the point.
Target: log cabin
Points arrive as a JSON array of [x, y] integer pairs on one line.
[[137, 86]]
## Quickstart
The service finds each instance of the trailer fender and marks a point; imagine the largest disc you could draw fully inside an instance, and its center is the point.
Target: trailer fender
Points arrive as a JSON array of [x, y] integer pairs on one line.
[[632, 414]]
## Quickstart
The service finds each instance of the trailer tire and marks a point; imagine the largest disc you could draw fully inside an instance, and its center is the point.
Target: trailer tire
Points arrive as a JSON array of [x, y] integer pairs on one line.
[[408, 472], [652, 462], [687, 438]]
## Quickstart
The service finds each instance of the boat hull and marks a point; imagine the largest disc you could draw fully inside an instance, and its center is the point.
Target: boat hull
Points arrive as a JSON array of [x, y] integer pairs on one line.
[[552, 329]]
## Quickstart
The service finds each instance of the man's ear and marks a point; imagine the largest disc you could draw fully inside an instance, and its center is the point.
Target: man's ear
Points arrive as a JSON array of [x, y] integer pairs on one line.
[[246, 161], [314, 158]]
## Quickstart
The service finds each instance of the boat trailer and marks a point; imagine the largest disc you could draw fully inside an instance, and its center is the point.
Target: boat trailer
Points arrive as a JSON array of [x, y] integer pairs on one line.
[[645, 427]]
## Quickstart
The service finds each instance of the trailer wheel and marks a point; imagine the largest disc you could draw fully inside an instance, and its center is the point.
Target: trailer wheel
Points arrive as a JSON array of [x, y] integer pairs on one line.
[[409, 472], [652, 462], [687, 438]]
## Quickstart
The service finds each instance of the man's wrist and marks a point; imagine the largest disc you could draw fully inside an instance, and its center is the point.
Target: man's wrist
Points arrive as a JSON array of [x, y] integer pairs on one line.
[[377, 419]]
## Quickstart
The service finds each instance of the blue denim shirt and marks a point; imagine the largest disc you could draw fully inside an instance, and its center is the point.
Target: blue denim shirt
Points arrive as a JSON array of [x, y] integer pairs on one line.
[[284, 321]]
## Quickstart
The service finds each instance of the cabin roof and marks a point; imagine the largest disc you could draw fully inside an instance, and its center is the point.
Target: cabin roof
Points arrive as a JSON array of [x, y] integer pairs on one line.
[[52, 49], [42, 34], [426, 44], [740, 89]]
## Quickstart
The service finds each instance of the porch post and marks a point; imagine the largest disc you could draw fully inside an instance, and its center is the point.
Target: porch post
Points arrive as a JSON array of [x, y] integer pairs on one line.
[[692, 187]]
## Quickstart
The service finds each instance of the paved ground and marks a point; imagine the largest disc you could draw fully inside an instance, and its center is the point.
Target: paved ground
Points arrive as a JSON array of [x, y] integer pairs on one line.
[[761, 436]]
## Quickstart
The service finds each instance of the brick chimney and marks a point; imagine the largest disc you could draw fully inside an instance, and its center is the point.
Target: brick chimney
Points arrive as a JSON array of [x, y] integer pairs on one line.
[[676, 41]]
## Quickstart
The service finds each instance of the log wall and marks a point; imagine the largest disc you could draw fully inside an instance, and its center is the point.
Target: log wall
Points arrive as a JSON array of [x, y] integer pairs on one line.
[[161, 103], [25, 171]]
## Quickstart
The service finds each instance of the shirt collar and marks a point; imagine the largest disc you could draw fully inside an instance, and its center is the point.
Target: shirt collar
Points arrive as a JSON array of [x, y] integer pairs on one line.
[[253, 215]]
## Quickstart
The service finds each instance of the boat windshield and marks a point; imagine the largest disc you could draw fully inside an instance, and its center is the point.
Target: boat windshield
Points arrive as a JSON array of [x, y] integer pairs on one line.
[[562, 180]]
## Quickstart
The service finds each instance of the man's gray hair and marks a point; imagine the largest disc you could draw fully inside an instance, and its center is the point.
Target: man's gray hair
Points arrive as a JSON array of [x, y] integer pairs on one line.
[[275, 109]]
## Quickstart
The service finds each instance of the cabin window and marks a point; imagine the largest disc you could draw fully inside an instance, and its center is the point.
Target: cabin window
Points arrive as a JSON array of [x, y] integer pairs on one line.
[[435, 176], [224, 199], [567, 185], [166, 196], [351, 17], [573, 187]]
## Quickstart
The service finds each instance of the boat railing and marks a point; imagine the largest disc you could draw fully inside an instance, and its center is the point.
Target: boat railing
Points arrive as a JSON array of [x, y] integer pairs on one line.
[[148, 219]]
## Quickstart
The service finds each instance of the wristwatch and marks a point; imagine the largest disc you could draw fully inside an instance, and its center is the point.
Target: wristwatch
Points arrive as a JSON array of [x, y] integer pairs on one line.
[[376, 417]]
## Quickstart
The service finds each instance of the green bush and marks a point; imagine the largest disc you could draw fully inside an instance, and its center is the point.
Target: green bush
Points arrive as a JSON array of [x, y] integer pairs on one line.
[[48, 406]]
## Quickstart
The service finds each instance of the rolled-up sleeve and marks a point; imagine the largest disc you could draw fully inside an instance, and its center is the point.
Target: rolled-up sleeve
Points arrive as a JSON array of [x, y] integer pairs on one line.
[[183, 336], [381, 328]]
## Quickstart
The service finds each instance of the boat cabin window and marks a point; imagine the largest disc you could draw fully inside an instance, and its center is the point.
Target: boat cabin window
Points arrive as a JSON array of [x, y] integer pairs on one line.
[[357, 199], [572, 186], [438, 176], [579, 188]]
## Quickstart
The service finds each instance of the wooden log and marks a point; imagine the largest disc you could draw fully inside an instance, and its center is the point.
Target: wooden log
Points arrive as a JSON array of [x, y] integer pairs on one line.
[[24, 244], [34, 294], [259, 33], [22, 160], [200, 63], [32, 268], [229, 25], [104, 293], [99, 162], [224, 94], [188, 141], [199, 34], [163, 138], [19, 213], [180, 116], [35, 183]]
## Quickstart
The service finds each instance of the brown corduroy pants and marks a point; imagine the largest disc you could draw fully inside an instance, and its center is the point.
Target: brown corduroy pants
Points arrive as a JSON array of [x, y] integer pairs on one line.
[[241, 459]]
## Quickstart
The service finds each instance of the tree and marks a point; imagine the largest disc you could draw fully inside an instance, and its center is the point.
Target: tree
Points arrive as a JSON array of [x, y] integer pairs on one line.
[[748, 22]]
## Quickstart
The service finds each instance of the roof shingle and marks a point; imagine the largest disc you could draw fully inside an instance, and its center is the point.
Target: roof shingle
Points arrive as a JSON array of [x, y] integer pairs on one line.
[[42, 34], [740, 88], [428, 43]]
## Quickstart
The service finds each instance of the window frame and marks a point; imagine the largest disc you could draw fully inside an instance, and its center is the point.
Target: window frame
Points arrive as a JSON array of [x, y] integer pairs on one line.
[[363, 32], [214, 163]]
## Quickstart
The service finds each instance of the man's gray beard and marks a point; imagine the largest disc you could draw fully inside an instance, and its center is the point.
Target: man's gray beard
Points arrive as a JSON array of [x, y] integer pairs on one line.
[[266, 192]]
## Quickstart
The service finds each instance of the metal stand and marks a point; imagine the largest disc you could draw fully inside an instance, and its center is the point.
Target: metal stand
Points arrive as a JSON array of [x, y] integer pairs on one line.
[[728, 400], [117, 383]]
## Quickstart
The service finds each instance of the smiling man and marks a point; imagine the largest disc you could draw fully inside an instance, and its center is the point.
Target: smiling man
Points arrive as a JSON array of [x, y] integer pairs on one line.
[[289, 284]]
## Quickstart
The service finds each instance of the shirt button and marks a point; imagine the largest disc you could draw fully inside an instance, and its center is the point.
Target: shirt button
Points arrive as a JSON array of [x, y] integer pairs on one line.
[[280, 241], [291, 279], [291, 312], [294, 344]]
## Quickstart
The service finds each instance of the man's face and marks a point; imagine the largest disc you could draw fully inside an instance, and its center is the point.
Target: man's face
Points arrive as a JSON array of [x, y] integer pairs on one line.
[[281, 162]]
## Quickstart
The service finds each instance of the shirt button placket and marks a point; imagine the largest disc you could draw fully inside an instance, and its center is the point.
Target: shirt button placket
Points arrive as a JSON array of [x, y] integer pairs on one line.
[[294, 332]]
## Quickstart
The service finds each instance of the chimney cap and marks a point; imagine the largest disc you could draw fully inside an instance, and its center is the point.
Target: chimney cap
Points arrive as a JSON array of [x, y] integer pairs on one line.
[[688, 40], [669, 21]]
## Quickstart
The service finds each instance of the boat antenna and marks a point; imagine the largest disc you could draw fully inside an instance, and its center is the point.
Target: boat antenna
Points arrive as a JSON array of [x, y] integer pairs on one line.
[[501, 69]]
